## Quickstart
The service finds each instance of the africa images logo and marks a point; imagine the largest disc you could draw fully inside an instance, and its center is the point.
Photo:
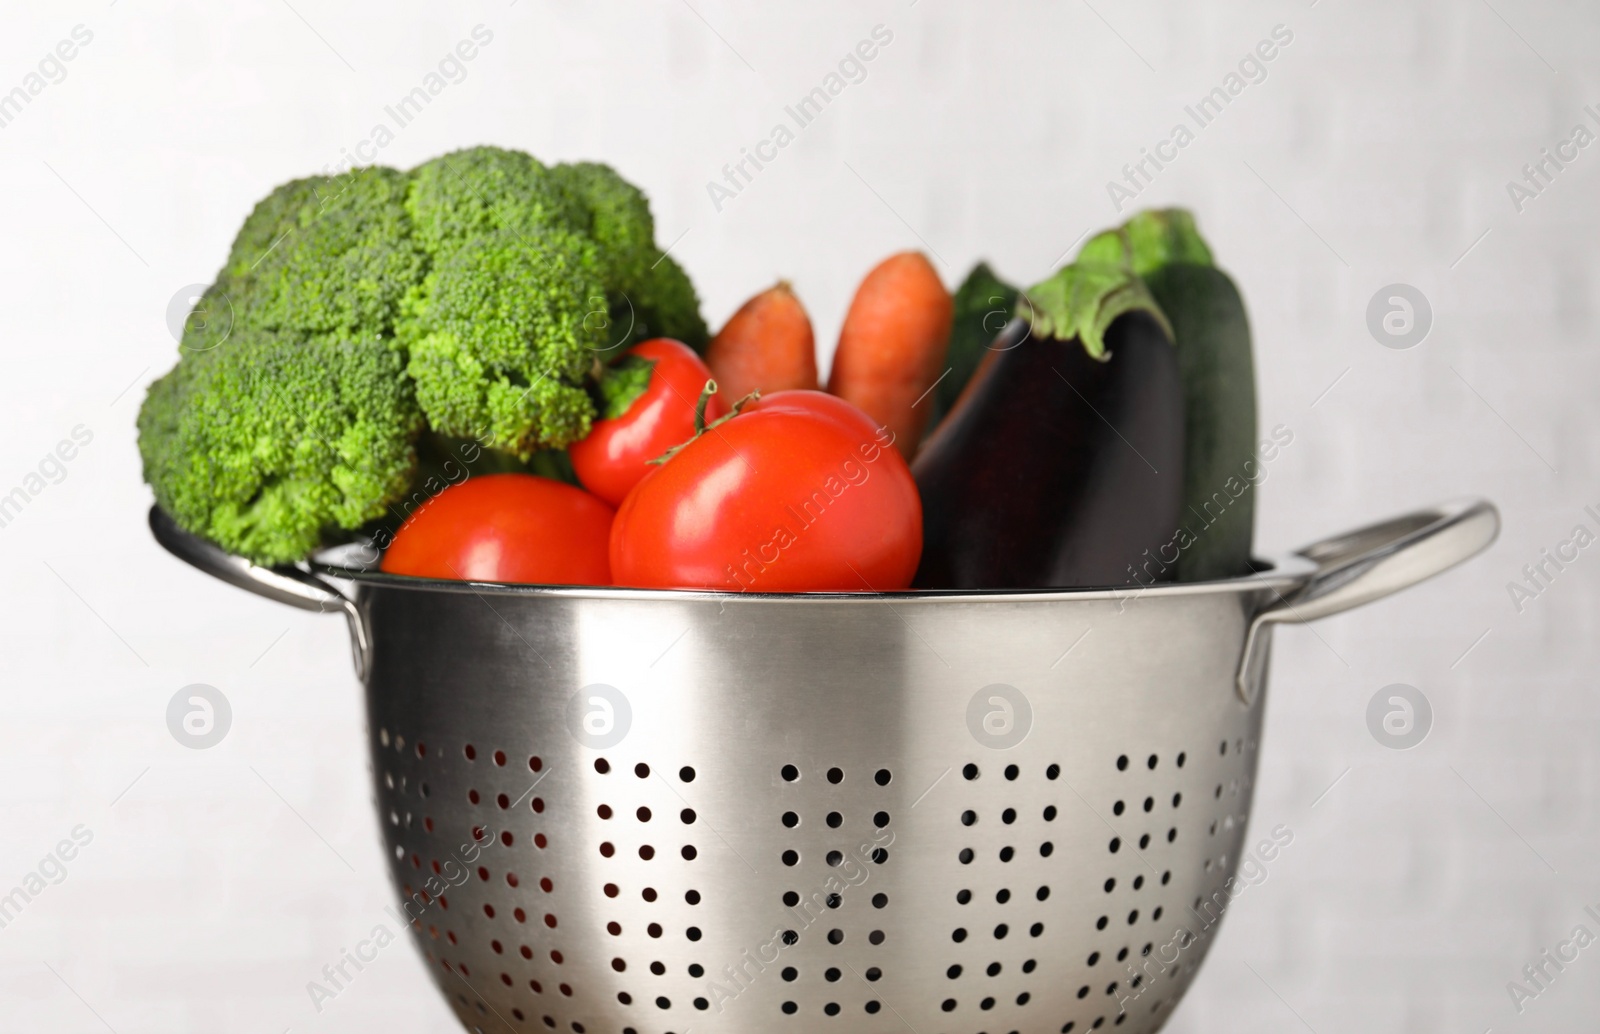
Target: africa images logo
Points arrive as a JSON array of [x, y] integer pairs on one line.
[[999, 716], [1399, 716]]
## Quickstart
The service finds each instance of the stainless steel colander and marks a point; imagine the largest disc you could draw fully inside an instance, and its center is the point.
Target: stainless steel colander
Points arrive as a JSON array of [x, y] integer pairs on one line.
[[634, 812]]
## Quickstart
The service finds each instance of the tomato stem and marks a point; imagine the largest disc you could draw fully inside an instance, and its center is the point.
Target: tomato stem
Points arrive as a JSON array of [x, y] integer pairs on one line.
[[700, 407], [700, 425]]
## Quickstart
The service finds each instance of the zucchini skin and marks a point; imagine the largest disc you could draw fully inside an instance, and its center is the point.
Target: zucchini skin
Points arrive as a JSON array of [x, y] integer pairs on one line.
[[983, 305], [1214, 358], [1057, 470]]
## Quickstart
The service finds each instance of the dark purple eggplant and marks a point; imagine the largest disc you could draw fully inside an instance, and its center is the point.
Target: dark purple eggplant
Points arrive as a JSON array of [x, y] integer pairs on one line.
[[1057, 468], [1212, 331]]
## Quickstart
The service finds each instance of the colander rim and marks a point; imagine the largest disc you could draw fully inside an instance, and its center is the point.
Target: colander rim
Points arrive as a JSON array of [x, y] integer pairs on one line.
[[1280, 574]]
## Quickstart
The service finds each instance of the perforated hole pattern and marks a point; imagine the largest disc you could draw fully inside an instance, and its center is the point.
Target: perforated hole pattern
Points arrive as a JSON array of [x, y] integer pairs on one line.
[[999, 898]]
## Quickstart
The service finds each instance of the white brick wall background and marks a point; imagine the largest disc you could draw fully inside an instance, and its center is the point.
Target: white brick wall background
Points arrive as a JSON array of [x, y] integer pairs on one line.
[[1377, 150]]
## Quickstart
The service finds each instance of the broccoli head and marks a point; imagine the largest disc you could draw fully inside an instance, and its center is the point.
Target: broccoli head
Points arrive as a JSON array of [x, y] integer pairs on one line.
[[476, 294], [268, 443]]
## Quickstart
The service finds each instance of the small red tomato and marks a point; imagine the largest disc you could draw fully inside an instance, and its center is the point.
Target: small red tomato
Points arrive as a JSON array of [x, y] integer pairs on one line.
[[798, 493], [506, 528], [617, 453]]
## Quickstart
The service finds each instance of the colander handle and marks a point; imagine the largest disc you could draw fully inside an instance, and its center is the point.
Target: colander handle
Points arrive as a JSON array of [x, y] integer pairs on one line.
[[1370, 563], [286, 584]]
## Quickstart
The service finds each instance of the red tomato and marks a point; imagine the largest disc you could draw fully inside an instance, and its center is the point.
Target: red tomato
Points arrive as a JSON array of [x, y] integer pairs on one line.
[[798, 493], [617, 454], [506, 528]]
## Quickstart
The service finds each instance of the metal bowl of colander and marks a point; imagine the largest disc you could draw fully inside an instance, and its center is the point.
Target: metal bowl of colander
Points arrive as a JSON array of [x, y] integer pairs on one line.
[[644, 812]]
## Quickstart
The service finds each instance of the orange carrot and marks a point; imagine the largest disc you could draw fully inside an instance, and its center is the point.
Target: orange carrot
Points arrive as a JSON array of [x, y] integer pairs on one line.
[[893, 344], [766, 345]]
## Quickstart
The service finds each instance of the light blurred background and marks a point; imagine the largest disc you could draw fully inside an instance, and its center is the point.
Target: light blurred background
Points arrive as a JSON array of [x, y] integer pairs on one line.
[[1377, 150]]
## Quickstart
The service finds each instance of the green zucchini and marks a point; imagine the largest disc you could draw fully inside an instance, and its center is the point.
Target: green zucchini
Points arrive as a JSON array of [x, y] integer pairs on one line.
[[983, 305], [1212, 332]]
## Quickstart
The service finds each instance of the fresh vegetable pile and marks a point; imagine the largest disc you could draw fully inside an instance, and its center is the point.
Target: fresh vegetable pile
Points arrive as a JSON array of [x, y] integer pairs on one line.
[[487, 368]]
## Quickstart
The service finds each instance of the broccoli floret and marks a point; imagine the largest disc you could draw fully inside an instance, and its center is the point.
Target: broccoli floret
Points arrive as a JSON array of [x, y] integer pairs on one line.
[[616, 215], [325, 256], [650, 295], [513, 313], [670, 306], [486, 191], [268, 443], [537, 272], [343, 264], [499, 340]]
